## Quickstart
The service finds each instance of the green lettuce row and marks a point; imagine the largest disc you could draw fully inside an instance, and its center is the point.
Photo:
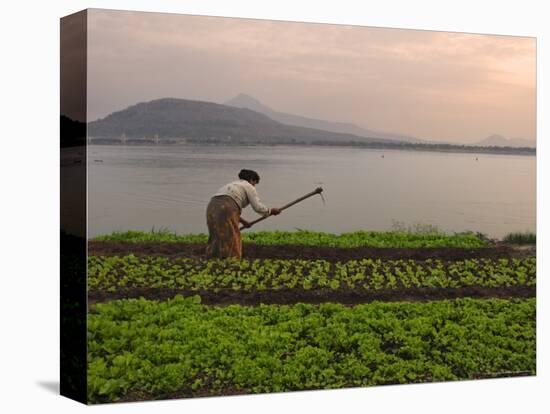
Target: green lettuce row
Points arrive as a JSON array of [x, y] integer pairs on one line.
[[139, 349], [116, 272], [310, 238]]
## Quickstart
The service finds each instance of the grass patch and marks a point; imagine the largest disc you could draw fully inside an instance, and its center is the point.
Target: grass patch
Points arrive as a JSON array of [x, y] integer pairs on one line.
[[163, 236], [521, 238], [397, 239]]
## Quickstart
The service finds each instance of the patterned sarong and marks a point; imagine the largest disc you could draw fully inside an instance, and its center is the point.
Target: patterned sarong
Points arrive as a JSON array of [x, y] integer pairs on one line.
[[222, 218]]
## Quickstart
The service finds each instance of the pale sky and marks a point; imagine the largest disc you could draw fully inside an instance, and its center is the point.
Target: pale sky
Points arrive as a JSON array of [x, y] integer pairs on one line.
[[432, 85]]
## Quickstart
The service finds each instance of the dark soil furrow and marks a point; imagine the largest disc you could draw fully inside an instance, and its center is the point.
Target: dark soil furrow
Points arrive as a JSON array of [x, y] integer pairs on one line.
[[292, 296], [332, 254]]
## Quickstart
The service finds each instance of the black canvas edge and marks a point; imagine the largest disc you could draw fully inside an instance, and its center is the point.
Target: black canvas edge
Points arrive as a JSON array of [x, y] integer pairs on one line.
[[73, 206]]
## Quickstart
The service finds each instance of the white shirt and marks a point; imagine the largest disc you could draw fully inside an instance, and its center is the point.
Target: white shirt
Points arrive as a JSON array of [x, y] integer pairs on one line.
[[244, 193]]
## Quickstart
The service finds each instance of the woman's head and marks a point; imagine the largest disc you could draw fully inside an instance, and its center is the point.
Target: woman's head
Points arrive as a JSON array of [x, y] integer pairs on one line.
[[251, 176]]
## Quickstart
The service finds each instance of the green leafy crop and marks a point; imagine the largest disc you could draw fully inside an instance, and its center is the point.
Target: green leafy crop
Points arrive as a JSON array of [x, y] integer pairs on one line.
[[139, 349], [119, 273]]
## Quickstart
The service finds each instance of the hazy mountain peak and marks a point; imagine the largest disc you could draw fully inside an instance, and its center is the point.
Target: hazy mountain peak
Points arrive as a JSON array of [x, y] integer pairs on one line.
[[497, 140], [245, 97], [243, 100]]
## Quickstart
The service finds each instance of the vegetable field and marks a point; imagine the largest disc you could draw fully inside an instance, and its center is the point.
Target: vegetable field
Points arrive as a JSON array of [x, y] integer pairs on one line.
[[379, 309]]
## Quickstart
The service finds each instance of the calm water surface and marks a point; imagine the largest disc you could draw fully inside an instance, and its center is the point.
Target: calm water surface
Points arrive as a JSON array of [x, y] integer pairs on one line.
[[169, 187]]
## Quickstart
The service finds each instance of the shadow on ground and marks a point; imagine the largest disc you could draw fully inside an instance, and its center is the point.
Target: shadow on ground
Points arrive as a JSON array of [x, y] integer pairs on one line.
[[51, 386]]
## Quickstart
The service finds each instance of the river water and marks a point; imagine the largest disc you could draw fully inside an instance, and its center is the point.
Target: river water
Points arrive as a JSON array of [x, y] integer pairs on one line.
[[168, 187]]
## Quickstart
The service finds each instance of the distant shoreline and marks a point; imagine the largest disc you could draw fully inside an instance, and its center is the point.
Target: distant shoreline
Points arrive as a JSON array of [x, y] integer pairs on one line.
[[446, 148]]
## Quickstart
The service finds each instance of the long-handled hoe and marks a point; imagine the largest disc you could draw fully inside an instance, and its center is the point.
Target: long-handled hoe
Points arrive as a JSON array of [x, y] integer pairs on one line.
[[318, 190]]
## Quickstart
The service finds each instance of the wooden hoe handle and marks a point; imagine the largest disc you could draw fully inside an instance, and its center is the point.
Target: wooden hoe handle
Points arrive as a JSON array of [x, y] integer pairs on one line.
[[318, 190]]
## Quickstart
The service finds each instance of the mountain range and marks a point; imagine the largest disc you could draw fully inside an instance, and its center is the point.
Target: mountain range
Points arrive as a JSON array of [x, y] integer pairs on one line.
[[246, 101], [199, 120], [244, 119]]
